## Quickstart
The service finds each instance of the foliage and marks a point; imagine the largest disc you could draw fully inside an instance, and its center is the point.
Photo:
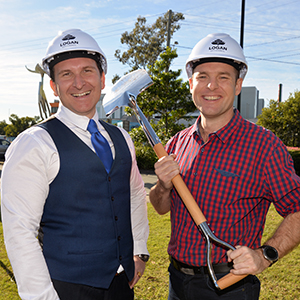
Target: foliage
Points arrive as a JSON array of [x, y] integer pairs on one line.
[[19, 124], [168, 98], [145, 155], [3, 124], [146, 42], [283, 119], [296, 158]]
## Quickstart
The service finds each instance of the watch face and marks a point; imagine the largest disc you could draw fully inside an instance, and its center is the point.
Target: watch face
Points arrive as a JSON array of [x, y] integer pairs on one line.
[[144, 257], [271, 254]]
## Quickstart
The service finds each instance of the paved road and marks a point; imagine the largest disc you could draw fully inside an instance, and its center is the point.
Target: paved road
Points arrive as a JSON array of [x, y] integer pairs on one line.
[[148, 176]]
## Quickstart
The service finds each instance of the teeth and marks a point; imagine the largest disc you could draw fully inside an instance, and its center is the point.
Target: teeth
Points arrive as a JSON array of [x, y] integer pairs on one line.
[[82, 94], [211, 98]]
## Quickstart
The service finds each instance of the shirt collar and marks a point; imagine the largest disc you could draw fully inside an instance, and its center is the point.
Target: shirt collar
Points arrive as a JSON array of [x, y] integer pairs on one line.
[[70, 117], [223, 133]]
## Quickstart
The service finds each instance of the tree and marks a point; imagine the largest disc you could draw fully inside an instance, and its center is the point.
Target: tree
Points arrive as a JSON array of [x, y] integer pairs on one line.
[[146, 42], [168, 98], [283, 119], [19, 124], [3, 124]]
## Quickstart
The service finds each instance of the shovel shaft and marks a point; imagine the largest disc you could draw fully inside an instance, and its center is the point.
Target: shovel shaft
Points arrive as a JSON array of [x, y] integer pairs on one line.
[[229, 280], [183, 191]]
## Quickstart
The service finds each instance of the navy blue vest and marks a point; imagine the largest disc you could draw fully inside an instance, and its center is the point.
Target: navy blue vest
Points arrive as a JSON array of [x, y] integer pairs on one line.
[[86, 222]]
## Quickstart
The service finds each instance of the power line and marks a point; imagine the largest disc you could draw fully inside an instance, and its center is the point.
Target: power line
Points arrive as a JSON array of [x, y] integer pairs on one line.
[[272, 42], [269, 8], [272, 60]]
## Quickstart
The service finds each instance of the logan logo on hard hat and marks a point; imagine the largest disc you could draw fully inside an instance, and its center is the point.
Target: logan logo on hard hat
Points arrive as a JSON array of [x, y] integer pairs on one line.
[[218, 46], [218, 42], [69, 37]]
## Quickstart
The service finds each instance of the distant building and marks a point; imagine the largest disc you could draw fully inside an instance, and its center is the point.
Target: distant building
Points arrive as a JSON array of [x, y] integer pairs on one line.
[[118, 118], [251, 104]]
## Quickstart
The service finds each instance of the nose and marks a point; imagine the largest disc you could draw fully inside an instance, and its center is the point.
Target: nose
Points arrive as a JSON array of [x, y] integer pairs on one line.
[[79, 81], [212, 84]]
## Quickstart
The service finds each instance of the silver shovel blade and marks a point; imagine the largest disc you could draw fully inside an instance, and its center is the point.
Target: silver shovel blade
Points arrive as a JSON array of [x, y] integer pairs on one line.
[[129, 85]]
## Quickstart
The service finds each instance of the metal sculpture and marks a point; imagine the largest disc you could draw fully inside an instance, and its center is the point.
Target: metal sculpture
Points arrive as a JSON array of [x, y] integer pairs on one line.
[[42, 100]]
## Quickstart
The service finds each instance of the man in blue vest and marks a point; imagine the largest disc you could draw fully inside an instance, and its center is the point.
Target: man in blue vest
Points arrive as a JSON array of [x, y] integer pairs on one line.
[[88, 212]]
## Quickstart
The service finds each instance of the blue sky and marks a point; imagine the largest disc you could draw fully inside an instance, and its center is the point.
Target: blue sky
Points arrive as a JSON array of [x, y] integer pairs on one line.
[[271, 39]]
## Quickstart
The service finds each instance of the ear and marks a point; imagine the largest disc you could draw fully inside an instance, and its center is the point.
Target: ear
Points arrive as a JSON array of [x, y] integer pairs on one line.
[[53, 87], [102, 81], [191, 84], [238, 86]]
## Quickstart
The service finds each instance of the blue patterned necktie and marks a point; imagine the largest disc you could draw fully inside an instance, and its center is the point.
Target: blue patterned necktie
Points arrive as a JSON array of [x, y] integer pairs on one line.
[[101, 145]]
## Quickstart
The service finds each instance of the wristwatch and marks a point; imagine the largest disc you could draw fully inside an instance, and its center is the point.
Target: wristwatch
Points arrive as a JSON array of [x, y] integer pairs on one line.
[[144, 257], [270, 254]]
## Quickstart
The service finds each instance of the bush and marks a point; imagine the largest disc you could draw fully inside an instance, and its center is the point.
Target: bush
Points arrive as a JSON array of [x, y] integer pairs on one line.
[[146, 157], [296, 158]]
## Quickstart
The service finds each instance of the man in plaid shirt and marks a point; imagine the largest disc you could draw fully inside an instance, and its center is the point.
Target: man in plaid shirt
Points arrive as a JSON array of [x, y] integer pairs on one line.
[[234, 170]]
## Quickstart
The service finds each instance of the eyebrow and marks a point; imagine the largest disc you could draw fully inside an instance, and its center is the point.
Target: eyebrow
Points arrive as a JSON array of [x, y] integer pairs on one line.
[[85, 67], [218, 73]]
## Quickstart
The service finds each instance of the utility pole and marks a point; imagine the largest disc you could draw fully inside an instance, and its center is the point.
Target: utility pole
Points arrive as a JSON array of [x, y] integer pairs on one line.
[[242, 45], [169, 28], [280, 93], [169, 33]]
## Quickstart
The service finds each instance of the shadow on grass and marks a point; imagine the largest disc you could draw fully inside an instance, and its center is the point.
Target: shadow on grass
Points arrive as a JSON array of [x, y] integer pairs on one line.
[[8, 271]]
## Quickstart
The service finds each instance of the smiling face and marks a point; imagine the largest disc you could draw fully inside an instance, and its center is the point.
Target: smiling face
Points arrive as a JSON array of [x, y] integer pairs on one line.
[[78, 84], [214, 86]]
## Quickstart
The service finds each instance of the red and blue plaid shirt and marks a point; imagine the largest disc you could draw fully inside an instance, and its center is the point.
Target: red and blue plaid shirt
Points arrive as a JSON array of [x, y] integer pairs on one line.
[[233, 177]]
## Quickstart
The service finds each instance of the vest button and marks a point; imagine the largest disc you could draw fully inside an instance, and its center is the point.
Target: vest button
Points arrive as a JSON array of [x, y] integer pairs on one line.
[[119, 238], [120, 257], [116, 218], [112, 198], [109, 179]]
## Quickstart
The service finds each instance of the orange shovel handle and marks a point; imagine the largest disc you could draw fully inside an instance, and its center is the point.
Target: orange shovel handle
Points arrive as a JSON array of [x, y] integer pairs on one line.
[[182, 190]]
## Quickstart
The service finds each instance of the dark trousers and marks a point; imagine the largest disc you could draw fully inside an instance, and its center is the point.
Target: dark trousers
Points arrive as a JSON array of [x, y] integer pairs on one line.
[[200, 286], [118, 290]]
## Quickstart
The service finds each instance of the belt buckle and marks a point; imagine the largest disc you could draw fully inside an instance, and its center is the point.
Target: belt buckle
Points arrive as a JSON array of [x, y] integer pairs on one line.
[[187, 271]]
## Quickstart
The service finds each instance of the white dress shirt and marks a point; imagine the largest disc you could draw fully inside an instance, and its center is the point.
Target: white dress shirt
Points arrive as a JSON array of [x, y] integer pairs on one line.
[[31, 164]]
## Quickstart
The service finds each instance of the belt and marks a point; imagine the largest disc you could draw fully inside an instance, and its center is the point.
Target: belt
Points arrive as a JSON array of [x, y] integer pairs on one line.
[[191, 270]]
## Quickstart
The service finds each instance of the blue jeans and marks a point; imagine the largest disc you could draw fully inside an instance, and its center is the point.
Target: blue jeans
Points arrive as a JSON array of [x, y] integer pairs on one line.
[[200, 286]]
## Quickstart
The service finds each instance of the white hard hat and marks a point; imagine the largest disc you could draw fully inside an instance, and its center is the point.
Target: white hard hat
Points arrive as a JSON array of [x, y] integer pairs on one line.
[[72, 43], [218, 47]]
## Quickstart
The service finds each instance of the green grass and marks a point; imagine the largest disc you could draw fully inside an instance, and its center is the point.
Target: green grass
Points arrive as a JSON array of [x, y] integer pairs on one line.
[[281, 281], [7, 286]]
